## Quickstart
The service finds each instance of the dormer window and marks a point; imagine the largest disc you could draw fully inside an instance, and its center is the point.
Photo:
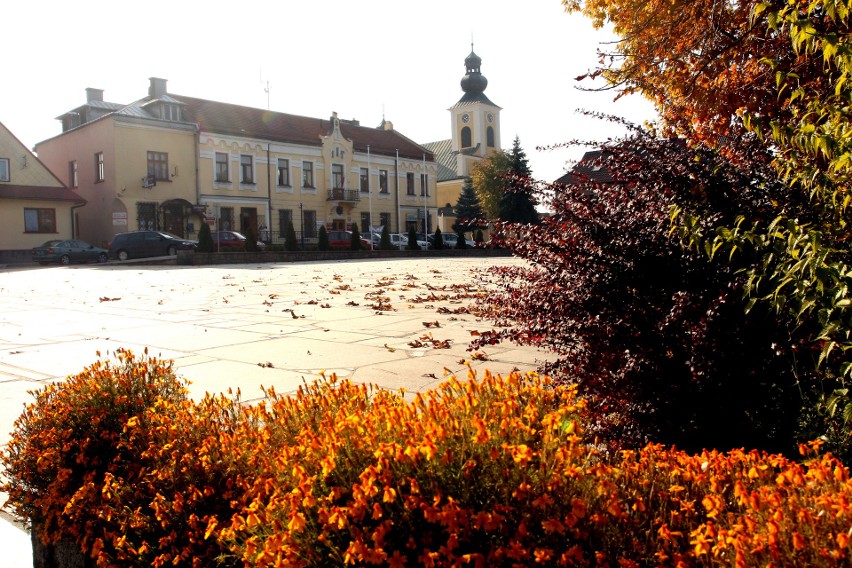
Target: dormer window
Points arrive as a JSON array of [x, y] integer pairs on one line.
[[170, 112]]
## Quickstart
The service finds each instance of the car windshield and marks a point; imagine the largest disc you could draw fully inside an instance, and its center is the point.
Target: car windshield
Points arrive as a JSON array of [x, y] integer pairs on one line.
[[169, 235]]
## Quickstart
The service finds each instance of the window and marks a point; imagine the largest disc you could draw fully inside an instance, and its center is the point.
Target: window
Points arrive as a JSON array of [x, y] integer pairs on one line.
[[226, 218], [221, 166], [424, 185], [100, 174], [309, 218], [489, 136], [246, 169], [337, 181], [365, 222], [170, 112], [146, 216], [4, 169], [384, 220], [158, 165], [465, 137], [364, 180], [285, 217], [283, 172], [39, 220], [383, 181], [409, 183], [72, 174], [307, 174]]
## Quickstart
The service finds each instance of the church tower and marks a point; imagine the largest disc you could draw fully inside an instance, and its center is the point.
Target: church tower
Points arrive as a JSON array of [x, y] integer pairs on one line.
[[475, 119]]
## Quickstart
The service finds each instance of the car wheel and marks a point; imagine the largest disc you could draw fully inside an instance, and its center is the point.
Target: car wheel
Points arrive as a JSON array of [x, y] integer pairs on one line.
[[122, 255], [65, 259], [172, 251], [102, 257]]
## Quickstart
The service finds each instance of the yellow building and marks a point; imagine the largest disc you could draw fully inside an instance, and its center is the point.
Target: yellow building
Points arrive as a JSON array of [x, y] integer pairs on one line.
[[475, 127], [35, 206], [170, 162]]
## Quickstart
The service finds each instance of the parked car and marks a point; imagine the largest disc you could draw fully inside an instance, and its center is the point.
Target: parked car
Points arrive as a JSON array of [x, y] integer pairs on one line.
[[68, 251], [232, 239], [450, 240], [421, 240], [342, 240], [397, 241], [141, 244]]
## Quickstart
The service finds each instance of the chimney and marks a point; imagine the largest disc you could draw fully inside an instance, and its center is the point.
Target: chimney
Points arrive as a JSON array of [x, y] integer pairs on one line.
[[157, 90], [94, 95]]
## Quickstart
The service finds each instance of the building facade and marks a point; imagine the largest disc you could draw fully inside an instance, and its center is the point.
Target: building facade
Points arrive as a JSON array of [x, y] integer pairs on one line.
[[475, 127], [35, 206], [171, 162]]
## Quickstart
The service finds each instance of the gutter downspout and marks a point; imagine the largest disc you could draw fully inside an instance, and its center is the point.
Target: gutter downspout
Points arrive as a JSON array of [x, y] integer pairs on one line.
[[74, 234], [396, 178], [268, 191]]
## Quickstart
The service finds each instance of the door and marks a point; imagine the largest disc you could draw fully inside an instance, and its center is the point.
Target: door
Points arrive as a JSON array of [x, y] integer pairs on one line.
[[248, 220]]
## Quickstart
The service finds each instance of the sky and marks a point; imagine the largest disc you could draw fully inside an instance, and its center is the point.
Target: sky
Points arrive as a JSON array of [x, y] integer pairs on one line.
[[365, 60]]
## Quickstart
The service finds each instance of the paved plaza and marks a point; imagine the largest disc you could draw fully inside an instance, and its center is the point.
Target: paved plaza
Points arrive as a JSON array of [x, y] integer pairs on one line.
[[400, 323]]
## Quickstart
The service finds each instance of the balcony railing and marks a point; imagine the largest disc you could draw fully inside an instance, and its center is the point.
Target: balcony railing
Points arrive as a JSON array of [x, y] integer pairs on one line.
[[351, 195]]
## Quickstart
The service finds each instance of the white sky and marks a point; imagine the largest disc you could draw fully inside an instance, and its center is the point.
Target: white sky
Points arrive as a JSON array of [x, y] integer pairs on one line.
[[361, 59]]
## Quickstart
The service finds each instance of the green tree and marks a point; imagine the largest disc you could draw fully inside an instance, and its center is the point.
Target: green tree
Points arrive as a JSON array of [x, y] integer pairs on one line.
[[412, 240], [468, 210], [479, 238], [385, 240], [322, 239], [355, 238], [488, 182], [461, 243], [290, 241], [205, 239], [438, 240], [516, 203], [251, 240]]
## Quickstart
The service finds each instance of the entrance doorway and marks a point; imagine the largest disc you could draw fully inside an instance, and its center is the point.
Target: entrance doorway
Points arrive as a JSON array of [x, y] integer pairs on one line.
[[248, 220]]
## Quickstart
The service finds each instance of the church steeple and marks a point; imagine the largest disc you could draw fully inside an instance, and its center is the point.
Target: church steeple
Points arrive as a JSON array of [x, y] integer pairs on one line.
[[474, 82]]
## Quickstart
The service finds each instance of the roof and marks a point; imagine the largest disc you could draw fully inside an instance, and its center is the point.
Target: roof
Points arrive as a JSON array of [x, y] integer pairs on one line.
[[472, 98], [588, 170], [40, 192], [446, 159], [236, 120]]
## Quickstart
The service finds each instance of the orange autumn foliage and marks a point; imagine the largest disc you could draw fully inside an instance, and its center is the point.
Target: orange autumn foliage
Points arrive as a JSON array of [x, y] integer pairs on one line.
[[482, 471]]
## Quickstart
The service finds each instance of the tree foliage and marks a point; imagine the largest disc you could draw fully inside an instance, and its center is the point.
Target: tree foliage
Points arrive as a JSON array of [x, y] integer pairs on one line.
[[652, 332], [438, 240], [385, 240], [322, 239], [487, 177], [778, 70], [412, 240], [205, 239], [517, 204], [355, 238], [291, 243], [468, 210]]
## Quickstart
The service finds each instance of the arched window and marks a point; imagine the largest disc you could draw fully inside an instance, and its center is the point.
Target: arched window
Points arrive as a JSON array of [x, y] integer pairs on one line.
[[489, 136], [465, 137]]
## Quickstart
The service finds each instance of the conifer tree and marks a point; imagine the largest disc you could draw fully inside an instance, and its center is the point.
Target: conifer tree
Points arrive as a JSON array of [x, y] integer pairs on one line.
[[355, 241], [412, 240], [290, 242], [385, 240], [438, 240], [468, 209], [205, 239], [516, 203], [322, 239]]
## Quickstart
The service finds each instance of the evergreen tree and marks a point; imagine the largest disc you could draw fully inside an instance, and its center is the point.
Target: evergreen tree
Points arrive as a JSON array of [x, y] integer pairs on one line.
[[468, 209], [290, 242], [205, 239], [461, 243], [479, 238], [516, 203], [322, 239], [251, 240], [438, 240], [355, 242], [385, 241], [412, 240]]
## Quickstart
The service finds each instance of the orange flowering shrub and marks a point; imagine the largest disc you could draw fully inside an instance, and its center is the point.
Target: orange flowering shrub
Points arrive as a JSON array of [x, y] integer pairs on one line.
[[489, 471], [70, 441]]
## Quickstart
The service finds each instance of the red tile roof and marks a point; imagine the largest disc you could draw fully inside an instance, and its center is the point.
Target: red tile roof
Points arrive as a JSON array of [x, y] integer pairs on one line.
[[235, 120], [10, 191]]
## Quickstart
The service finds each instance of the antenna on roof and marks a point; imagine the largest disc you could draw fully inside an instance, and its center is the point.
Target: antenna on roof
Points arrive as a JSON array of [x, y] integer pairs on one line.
[[266, 89]]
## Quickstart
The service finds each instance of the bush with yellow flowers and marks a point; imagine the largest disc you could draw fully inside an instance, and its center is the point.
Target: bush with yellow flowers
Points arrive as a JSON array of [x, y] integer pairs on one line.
[[485, 471]]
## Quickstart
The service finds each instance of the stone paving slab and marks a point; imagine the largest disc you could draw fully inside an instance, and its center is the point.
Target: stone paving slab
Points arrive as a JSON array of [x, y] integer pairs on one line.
[[247, 327]]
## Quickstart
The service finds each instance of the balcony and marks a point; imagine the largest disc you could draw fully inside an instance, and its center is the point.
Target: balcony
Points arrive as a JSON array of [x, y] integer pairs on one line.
[[344, 195]]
